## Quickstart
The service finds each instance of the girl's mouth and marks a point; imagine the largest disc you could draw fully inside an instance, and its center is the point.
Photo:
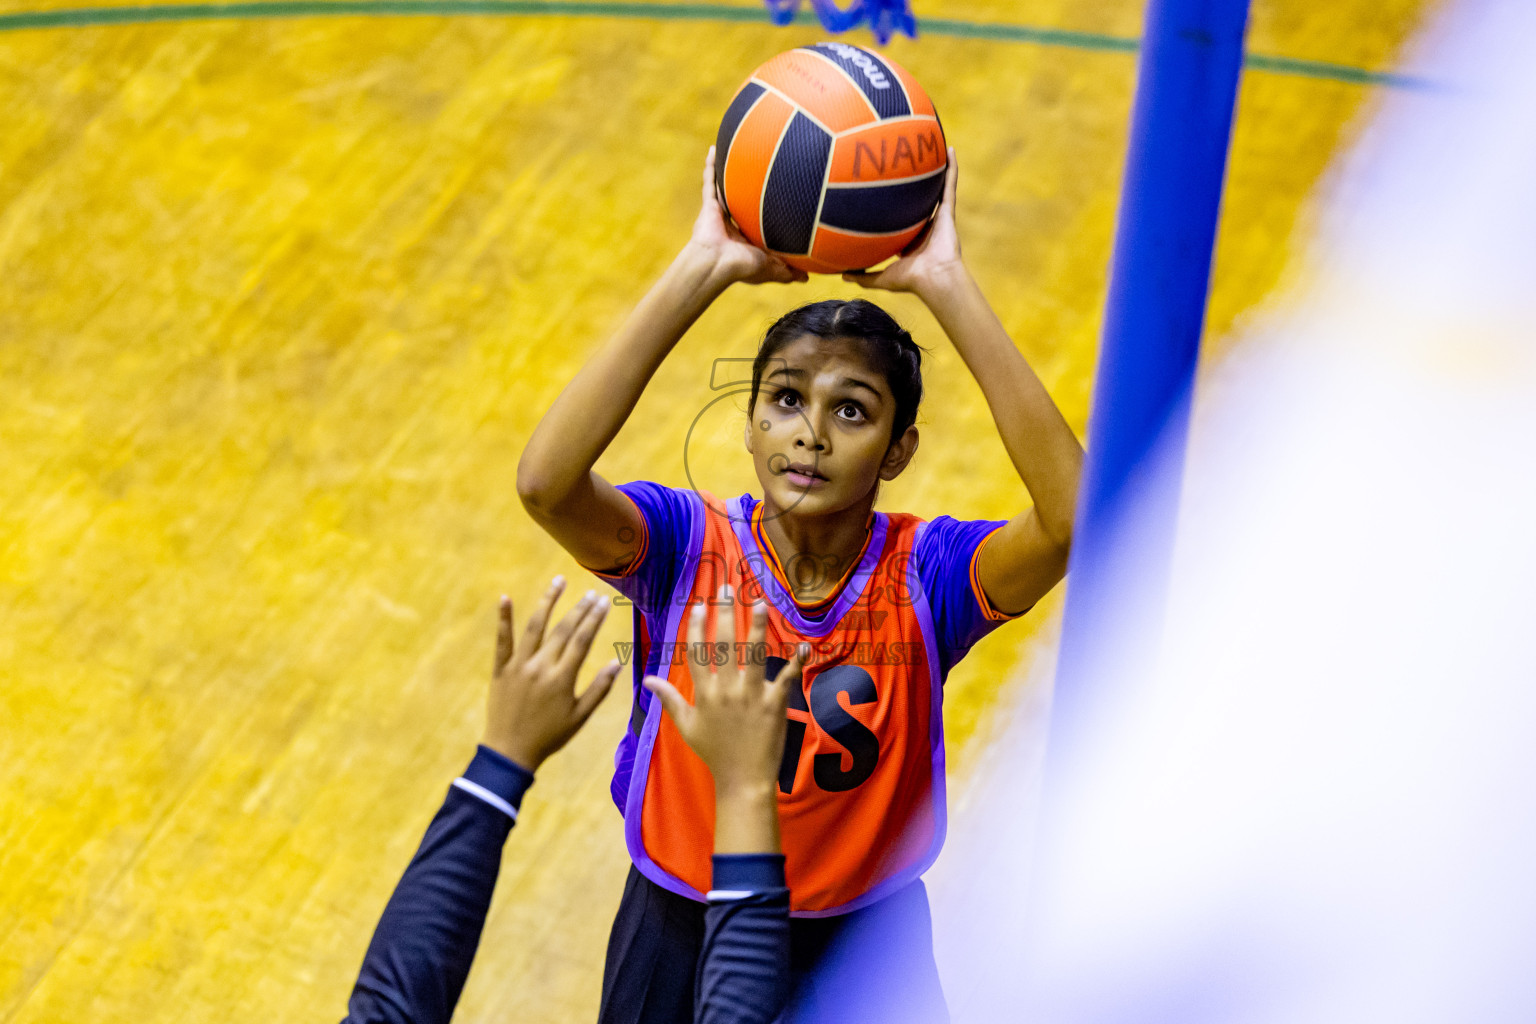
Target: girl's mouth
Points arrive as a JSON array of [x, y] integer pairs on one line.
[[803, 475]]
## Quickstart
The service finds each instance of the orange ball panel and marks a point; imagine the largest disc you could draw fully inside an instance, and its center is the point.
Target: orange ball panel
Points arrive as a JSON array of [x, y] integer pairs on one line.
[[820, 87], [845, 251], [889, 150], [746, 164], [916, 97]]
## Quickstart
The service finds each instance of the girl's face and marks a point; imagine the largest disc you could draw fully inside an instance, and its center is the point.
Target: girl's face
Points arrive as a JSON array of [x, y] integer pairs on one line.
[[820, 432]]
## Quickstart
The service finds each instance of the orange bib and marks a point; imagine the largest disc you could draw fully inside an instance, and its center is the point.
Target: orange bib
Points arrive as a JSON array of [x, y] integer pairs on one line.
[[861, 785]]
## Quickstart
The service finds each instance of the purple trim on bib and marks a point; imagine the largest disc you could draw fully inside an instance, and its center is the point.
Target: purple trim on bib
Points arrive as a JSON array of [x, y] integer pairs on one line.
[[741, 522], [634, 806], [940, 789], [938, 792]]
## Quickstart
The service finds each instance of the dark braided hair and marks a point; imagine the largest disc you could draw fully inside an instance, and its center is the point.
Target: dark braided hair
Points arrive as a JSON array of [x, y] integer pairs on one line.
[[889, 349]]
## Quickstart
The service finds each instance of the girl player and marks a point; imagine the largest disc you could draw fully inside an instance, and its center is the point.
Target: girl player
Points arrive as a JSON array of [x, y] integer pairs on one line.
[[887, 601]]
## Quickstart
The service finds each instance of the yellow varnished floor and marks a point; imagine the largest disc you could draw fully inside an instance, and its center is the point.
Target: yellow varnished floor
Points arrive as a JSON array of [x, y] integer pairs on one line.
[[280, 301]]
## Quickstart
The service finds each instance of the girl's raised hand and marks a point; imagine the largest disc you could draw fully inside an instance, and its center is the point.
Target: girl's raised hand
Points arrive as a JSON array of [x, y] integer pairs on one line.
[[935, 253], [726, 250]]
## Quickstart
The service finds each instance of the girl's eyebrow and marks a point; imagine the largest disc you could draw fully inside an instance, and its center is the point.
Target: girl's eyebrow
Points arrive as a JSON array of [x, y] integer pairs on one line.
[[854, 382], [847, 382]]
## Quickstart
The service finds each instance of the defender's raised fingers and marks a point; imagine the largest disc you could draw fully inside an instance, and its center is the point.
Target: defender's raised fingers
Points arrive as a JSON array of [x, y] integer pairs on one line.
[[672, 702], [533, 633], [757, 631], [576, 649], [596, 690], [698, 654], [503, 635], [725, 620], [554, 647], [777, 690], [753, 666]]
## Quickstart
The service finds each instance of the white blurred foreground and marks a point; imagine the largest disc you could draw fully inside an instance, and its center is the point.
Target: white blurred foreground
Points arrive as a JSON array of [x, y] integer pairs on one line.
[[1318, 805]]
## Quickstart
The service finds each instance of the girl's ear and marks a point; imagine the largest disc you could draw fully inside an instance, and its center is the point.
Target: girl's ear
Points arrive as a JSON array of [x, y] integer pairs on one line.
[[899, 454], [746, 434]]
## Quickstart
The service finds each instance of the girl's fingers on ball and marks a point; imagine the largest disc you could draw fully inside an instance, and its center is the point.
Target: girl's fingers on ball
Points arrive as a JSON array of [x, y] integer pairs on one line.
[[922, 237]]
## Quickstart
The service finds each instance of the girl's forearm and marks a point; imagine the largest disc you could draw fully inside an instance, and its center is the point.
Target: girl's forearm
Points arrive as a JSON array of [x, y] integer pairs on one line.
[[584, 420], [1044, 451]]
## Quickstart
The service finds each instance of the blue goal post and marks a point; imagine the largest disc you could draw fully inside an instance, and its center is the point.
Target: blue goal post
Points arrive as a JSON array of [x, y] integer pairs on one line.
[[1188, 67]]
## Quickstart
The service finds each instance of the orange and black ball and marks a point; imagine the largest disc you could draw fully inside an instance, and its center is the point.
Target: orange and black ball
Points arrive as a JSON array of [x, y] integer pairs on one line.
[[831, 157]]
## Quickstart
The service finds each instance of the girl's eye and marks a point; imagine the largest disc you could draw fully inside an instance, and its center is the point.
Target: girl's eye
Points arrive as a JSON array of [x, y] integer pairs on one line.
[[786, 399], [851, 412]]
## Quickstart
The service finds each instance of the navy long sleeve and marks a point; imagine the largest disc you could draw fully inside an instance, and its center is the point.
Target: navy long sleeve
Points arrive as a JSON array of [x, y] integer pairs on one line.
[[425, 942], [426, 939], [744, 965]]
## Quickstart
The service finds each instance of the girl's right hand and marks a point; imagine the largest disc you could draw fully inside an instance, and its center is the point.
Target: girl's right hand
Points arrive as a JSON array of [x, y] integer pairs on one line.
[[933, 259], [725, 250]]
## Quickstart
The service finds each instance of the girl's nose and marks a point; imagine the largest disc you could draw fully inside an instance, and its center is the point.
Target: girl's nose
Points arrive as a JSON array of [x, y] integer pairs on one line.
[[808, 433], [810, 440]]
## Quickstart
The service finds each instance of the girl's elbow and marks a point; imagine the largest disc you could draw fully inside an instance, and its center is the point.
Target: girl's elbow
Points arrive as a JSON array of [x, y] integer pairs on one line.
[[534, 488], [1060, 535]]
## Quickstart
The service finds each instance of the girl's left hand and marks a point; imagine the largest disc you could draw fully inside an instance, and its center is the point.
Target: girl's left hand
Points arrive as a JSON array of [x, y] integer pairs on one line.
[[725, 250], [933, 254]]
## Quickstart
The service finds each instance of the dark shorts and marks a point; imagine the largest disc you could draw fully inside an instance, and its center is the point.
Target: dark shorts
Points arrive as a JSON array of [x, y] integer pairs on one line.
[[873, 965]]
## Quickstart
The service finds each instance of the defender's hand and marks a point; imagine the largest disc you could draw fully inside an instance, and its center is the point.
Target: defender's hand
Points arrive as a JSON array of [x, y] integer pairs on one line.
[[736, 722], [534, 708]]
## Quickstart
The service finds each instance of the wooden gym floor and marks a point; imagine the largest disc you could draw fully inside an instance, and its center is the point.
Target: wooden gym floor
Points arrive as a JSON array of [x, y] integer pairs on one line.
[[281, 299]]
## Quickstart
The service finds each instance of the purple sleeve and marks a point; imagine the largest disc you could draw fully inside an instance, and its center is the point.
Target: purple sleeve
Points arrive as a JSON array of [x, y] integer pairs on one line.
[[945, 556], [668, 516]]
